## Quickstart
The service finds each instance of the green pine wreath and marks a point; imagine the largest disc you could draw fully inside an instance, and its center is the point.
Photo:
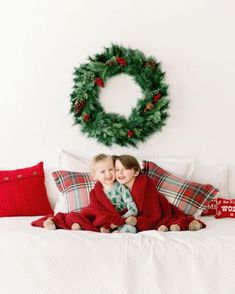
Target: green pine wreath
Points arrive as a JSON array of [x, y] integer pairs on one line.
[[146, 118]]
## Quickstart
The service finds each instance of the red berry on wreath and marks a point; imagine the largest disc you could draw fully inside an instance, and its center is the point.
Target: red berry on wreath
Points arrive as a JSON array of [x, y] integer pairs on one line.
[[130, 133], [156, 97], [121, 61], [99, 82], [86, 117]]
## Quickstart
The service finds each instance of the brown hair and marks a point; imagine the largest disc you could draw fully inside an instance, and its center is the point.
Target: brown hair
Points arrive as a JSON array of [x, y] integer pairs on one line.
[[128, 161]]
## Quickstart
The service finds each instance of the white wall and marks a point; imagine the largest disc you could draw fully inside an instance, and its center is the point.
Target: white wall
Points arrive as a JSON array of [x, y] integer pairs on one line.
[[43, 40]]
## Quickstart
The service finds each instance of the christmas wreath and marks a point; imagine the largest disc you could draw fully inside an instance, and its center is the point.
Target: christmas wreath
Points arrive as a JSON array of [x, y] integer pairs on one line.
[[147, 117]]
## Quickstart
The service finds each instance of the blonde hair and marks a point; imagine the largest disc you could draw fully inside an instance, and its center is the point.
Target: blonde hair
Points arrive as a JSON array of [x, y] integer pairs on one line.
[[97, 158]]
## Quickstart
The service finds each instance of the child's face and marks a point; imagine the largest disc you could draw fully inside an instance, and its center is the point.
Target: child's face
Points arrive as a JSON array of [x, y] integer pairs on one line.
[[104, 172], [125, 176]]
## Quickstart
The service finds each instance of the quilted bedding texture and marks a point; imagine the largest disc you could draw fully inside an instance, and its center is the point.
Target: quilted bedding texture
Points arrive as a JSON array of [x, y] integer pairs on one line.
[[37, 261]]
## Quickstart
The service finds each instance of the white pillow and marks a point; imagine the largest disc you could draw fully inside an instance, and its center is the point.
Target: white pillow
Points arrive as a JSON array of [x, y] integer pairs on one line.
[[216, 175], [51, 188], [71, 162], [182, 167]]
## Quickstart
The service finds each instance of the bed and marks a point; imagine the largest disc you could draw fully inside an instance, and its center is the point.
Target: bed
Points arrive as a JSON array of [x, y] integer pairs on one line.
[[38, 261], [34, 260]]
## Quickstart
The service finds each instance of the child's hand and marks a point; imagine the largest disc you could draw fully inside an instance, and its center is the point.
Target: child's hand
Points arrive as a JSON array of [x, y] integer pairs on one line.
[[104, 230], [113, 226], [131, 220]]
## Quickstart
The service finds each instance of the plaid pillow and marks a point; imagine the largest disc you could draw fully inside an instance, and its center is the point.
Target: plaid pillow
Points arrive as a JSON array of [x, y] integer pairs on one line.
[[189, 197], [75, 188]]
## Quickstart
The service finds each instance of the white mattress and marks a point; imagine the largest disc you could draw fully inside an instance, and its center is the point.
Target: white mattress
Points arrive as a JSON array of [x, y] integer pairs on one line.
[[34, 260]]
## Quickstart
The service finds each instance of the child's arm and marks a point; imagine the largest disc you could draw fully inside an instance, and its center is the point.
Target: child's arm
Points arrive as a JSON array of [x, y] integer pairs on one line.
[[132, 209]]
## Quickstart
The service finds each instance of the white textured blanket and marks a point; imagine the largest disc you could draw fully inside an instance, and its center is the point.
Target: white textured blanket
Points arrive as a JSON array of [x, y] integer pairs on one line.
[[37, 261]]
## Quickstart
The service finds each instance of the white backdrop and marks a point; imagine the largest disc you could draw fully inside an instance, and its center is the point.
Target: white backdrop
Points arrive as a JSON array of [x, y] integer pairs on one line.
[[43, 40]]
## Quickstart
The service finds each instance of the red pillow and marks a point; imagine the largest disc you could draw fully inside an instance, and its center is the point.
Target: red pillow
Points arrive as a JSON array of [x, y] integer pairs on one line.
[[23, 192], [210, 208], [225, 208]]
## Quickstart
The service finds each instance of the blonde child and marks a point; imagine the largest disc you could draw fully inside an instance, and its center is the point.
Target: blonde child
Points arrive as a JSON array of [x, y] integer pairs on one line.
[[111, 204]]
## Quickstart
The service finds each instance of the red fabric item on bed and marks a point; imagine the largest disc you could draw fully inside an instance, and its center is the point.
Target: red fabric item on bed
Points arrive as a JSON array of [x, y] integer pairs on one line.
[[99, 213], [23, 192], [154, 210]]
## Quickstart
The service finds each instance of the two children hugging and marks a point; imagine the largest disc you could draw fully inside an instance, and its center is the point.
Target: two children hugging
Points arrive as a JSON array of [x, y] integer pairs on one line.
[[123, 200], [116, 190]]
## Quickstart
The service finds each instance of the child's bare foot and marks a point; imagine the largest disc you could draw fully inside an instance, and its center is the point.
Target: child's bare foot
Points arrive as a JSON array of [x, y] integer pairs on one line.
[[116, 231], [49, 224], [175, 228], [195, 225], [104, 230], [162, 228], [113, 226], [76, 227]]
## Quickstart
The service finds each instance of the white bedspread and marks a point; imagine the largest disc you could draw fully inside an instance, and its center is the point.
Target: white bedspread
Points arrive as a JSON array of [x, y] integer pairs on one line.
[[37, 261]]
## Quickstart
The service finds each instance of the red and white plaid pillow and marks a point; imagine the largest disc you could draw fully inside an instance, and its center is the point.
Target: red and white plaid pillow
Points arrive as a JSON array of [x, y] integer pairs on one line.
[[189, 197], [75, 188], [225, 208]]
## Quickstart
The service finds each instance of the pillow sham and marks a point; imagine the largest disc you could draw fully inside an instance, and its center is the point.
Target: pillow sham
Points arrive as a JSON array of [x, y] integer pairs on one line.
[[75, 188], [179, 166], [189, 197], [69, 161], [23, 192], [215, 174], [182, 167], [225, 208]]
